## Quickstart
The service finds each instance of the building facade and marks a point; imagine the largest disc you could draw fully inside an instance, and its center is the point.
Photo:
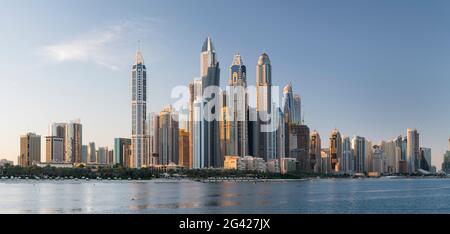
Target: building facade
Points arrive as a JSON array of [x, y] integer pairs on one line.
[[30, 149], [139, 138]]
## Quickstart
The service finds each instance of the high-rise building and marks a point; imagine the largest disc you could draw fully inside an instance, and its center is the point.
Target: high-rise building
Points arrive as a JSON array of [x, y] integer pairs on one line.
[[168, 136], [264, 104], [84, 153], [183, 148], [139, 138], [425, 158], [54, 150], [59, 130], [369, 156], [120, 150], [347, 156], [227, 146], [378, 160], [199, 136], [299, 145], [30, 149], [206, 111], [393, 152], [153, 139], [335, 150], [280, 134], [102, 155], [73, 142], [291, 105], [359, 153], [253, 132], [191, 123], [315, 152], [412, 150], [446, 162], [326, 164], [238, 107], [92, 152]]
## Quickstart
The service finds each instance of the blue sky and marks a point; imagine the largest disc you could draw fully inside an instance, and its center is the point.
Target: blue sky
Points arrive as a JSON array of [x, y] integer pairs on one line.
[[372, 68]]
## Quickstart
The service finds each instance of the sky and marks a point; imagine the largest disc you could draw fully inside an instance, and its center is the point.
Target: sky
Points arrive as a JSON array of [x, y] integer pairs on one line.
[[367, 67]]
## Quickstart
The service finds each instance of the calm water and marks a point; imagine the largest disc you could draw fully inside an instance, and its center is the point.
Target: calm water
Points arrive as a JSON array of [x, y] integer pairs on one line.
[[315, 196]]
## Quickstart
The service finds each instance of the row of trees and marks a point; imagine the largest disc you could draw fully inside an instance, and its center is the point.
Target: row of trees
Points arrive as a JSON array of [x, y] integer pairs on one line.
[[119, 171]]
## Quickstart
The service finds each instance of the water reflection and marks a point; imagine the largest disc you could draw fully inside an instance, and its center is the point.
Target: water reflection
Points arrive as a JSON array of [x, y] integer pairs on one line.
[[316, 196]]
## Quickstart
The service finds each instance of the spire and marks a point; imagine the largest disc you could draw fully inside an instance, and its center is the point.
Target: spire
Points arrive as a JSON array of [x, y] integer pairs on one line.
[[138, 59], [237, 59], [208, 45]]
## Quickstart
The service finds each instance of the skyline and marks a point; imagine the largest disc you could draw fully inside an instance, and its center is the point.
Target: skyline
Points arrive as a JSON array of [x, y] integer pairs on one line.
[[64, 58]]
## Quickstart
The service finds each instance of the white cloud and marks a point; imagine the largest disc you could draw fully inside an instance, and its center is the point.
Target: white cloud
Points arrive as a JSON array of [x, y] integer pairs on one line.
[[95, 47]]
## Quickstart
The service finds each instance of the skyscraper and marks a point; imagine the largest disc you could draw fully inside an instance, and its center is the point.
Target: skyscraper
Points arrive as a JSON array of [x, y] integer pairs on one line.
[[412, 150], [84, 153], [183, 148], [168, 136], [73, 142], [92, 152], [335, 150], [315, 150], [59, 130], [120, 146], [267, 133], [347, 156], [153, 141], [139, 111], [425, 158], [30, 149], [54, 149], [238, 106], [291, 105], [359, 154], [206, 110]]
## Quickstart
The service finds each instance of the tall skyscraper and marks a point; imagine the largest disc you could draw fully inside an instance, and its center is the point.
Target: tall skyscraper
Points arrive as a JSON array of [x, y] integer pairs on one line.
[[238, 106], [54, 150], [264, 104], [315, 150], [30, 149], [335, 150], [73, 142], [347, 156], [291, 105], [139, 111], [191, 122], [359, 154], [168, 136], [412, 150], [120, 147], [206, 110]]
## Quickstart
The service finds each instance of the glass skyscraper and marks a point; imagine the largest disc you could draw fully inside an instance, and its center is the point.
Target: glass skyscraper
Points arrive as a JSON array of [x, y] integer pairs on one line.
[[139, 111]]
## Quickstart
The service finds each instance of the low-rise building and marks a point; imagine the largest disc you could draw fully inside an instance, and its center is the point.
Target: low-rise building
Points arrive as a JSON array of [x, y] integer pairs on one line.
[[5, 162], [273, 166], [288, 165], [231, 162]]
